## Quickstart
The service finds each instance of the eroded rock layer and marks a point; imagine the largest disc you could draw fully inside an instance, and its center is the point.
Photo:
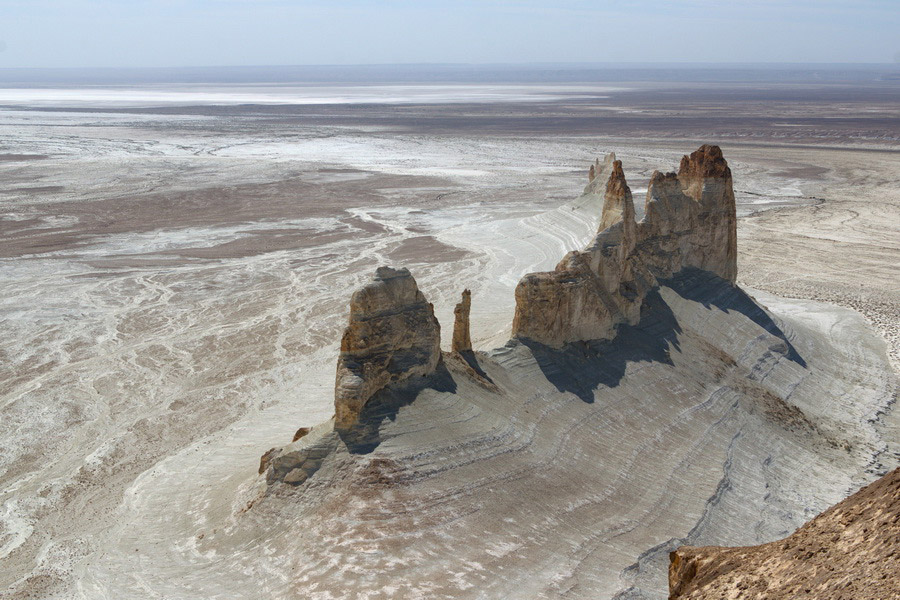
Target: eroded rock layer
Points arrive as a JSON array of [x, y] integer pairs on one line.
[[850, 551], [392, 335], [689, 221]]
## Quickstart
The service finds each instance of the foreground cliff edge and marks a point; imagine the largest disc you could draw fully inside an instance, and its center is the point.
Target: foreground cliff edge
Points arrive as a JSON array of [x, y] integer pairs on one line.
[[645, 402], [852, 550]]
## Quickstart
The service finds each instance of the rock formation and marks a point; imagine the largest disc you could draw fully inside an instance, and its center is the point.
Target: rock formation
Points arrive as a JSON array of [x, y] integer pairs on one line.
[[617, 199], [598, 174], [392, 335], [689, 222], [701, 417], [852, 550], [462, 340]]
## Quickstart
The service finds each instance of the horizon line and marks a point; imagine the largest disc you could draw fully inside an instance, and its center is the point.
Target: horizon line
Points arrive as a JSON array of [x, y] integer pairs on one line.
[[556, 64]]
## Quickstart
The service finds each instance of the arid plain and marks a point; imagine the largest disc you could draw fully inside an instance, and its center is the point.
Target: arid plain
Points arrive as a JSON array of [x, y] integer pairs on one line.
[[175, 272]]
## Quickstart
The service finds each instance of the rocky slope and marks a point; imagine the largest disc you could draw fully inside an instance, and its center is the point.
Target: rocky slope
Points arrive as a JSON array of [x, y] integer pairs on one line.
[[645, 402], [852, 550]]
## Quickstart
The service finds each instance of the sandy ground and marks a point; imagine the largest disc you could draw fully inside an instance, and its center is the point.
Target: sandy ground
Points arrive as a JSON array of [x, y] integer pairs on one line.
[[174, 282]]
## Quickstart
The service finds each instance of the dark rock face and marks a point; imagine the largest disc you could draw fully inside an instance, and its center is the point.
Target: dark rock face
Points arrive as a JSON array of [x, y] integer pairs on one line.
[[690, 222], [392, 335], [850, 551]]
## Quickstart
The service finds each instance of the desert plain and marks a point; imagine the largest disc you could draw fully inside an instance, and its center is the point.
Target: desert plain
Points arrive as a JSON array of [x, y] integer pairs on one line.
[[176, 263]]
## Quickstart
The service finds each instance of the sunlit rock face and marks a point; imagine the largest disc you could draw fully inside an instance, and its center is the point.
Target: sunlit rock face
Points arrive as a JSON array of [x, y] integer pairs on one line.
[[689, 221], [462, 338], [852, 550], [392, 335]]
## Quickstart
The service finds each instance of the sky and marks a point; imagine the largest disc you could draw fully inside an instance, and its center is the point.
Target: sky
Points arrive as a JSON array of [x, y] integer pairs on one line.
[[175, 33]]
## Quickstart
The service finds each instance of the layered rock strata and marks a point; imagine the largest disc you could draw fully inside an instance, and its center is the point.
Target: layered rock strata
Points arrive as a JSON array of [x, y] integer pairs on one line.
[[689, 222], [392, 335], [462, 339], [852, 550]]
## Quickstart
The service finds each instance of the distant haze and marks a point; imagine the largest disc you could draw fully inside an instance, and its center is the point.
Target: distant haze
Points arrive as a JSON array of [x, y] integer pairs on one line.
[[172, 33]]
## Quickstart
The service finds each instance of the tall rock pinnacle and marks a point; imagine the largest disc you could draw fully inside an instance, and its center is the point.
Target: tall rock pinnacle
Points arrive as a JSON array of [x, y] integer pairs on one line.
[[462, 340], [392, 335], [617, 199]]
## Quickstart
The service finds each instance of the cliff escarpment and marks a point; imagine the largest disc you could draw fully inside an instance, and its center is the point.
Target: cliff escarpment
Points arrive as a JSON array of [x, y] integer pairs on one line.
[[852, 550], [644, 403]]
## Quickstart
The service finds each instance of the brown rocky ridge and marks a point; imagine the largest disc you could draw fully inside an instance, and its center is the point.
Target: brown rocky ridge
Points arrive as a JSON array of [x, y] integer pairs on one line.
[[851, 551], [689, 221]]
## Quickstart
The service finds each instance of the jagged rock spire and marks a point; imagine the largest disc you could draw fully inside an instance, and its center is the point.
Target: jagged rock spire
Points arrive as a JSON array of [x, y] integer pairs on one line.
[[617, 201], [689, 222], [598, 173], [462, 340]]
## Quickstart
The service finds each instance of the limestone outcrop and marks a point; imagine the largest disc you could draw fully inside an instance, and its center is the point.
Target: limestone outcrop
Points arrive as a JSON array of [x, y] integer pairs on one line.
[[852, 550], [462, 339], [598, 174], [392, 335], [617, 199], [689, 222]]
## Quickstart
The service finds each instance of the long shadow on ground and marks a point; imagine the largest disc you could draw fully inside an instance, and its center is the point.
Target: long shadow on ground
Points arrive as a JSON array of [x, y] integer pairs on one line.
[[580, 367], [365, 435]]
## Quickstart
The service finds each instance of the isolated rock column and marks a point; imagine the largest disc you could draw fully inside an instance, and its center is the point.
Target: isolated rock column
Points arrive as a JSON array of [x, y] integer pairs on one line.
[[462, 340], [392, 335]]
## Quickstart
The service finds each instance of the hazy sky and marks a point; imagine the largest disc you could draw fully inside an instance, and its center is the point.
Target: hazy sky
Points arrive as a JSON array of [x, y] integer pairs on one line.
[[82, 33]]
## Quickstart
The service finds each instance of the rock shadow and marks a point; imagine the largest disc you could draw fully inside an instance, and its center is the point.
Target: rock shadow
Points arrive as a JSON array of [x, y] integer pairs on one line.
[[581, 367], [471, 359], [365, 435], [707, 289]]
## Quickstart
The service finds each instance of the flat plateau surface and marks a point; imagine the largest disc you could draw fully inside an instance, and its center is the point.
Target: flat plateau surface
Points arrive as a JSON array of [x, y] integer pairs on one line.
[[174, 280]]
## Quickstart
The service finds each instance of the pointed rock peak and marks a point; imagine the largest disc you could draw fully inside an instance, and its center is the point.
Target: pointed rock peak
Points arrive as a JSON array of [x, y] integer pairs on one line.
[[707, 161], [617, 204], [598, 174], [616, 184], [462, 340]]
